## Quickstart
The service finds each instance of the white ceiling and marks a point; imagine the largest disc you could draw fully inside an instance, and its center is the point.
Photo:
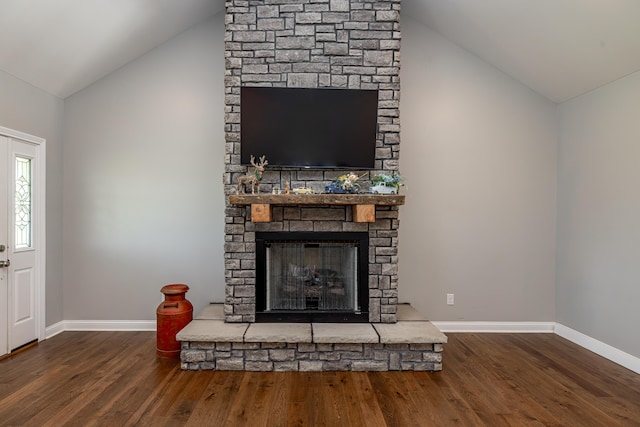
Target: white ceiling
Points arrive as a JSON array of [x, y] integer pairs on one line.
[[62, 46], [559, 48]]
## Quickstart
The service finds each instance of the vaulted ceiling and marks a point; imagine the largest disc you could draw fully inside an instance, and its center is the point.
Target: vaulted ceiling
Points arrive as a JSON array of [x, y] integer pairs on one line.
[[62, 46], [559, 48]]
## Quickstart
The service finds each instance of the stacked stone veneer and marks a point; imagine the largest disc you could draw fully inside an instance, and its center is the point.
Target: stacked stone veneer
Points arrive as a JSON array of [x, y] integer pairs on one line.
[[228, 356], [311, 43]]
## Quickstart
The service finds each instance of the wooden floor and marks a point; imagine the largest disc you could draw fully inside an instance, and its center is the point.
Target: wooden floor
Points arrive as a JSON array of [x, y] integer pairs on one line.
[[114, 379]]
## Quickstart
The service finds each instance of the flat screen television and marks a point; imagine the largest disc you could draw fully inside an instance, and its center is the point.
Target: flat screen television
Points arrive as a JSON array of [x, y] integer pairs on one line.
[[309, 128]]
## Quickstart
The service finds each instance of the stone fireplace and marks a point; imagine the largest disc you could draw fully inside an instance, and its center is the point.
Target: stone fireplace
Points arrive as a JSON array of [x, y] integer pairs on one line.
[[324, 266], [351, 44]]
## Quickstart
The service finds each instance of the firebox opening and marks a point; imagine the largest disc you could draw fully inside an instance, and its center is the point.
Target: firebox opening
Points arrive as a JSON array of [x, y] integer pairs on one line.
[[312, 277]]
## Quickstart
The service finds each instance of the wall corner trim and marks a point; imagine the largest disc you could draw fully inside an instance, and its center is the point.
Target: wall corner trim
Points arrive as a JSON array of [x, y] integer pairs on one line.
[[605, 350], [53, 330]]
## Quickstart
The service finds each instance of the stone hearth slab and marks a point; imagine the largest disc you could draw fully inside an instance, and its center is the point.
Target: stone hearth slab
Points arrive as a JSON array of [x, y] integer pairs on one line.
[[344, 333], [410, 332], [409, 345], [279, 332], [211, 312], [213, 330], [406, 312]]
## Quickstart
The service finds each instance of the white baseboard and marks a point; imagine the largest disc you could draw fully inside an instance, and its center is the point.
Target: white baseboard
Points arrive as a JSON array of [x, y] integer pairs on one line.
[[605, 350], [495, 327], [53, 330], [109, 325]]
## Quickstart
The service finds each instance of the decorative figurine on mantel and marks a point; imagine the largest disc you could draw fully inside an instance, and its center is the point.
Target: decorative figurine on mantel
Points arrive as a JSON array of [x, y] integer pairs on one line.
[[344, 184], [386, 183], [254, 179]]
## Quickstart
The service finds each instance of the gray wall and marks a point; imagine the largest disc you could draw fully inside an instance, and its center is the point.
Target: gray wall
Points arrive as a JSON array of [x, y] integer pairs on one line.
[[144, 204], [479, 154], [27, 109], [598, 212], [143, 199]]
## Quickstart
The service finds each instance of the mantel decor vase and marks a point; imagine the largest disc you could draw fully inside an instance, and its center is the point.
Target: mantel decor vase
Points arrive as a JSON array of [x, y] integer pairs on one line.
[[173, 314]]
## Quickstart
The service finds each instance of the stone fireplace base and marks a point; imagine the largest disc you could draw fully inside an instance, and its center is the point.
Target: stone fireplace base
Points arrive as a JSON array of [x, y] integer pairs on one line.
[[411, 344]]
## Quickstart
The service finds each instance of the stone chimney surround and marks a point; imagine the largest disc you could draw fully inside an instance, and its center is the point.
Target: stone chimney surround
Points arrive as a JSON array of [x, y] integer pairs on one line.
[[351, 44]]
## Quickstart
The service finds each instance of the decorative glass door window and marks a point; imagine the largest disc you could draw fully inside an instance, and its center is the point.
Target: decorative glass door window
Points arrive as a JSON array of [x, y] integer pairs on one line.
[[23, 203]]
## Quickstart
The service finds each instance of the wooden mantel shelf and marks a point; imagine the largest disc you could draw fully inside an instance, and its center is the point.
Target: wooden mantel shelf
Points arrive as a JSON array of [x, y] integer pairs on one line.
[[364, 205], [317, 199]]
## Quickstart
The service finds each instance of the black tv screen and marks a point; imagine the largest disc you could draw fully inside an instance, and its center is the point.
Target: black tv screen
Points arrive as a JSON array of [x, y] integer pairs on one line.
[[310, 128]]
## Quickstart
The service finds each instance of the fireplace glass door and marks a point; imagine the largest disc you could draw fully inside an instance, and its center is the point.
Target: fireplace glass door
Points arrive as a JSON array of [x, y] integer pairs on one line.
[[317, 276]]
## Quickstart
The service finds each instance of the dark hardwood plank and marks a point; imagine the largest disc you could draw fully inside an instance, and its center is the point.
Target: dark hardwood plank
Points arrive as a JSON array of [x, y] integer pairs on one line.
[[394, 401], [277, 404], [303, 390], [250, 406], [446, 406], [336, 409], [218, 396], [114, 378], [241, 409], [357, 408]]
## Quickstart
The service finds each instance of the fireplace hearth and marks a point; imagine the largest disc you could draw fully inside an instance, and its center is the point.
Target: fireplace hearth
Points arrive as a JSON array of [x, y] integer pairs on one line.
[[312, 277]]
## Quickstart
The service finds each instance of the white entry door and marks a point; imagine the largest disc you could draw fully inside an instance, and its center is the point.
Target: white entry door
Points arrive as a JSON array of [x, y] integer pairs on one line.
[[4, 239], [21, 242]]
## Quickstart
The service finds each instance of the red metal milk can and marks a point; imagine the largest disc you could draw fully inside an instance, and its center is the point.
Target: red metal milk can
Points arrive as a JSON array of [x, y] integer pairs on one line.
[[173, 314]]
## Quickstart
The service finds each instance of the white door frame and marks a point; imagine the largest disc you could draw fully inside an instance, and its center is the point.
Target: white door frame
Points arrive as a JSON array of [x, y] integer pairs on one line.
[[39, 224]]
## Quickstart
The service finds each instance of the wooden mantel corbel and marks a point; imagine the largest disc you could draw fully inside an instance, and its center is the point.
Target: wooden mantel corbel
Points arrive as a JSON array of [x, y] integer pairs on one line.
[[364, 205]]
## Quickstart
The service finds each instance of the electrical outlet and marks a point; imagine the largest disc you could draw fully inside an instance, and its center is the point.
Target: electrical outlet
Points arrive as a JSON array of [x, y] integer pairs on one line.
[[449, 299]]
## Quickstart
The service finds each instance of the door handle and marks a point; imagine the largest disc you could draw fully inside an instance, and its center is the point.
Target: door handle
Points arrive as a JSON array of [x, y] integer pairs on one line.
[[6, 263]]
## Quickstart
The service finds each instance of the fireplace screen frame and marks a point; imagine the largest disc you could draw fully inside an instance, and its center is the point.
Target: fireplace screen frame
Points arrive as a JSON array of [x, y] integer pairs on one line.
[[360, 313]]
